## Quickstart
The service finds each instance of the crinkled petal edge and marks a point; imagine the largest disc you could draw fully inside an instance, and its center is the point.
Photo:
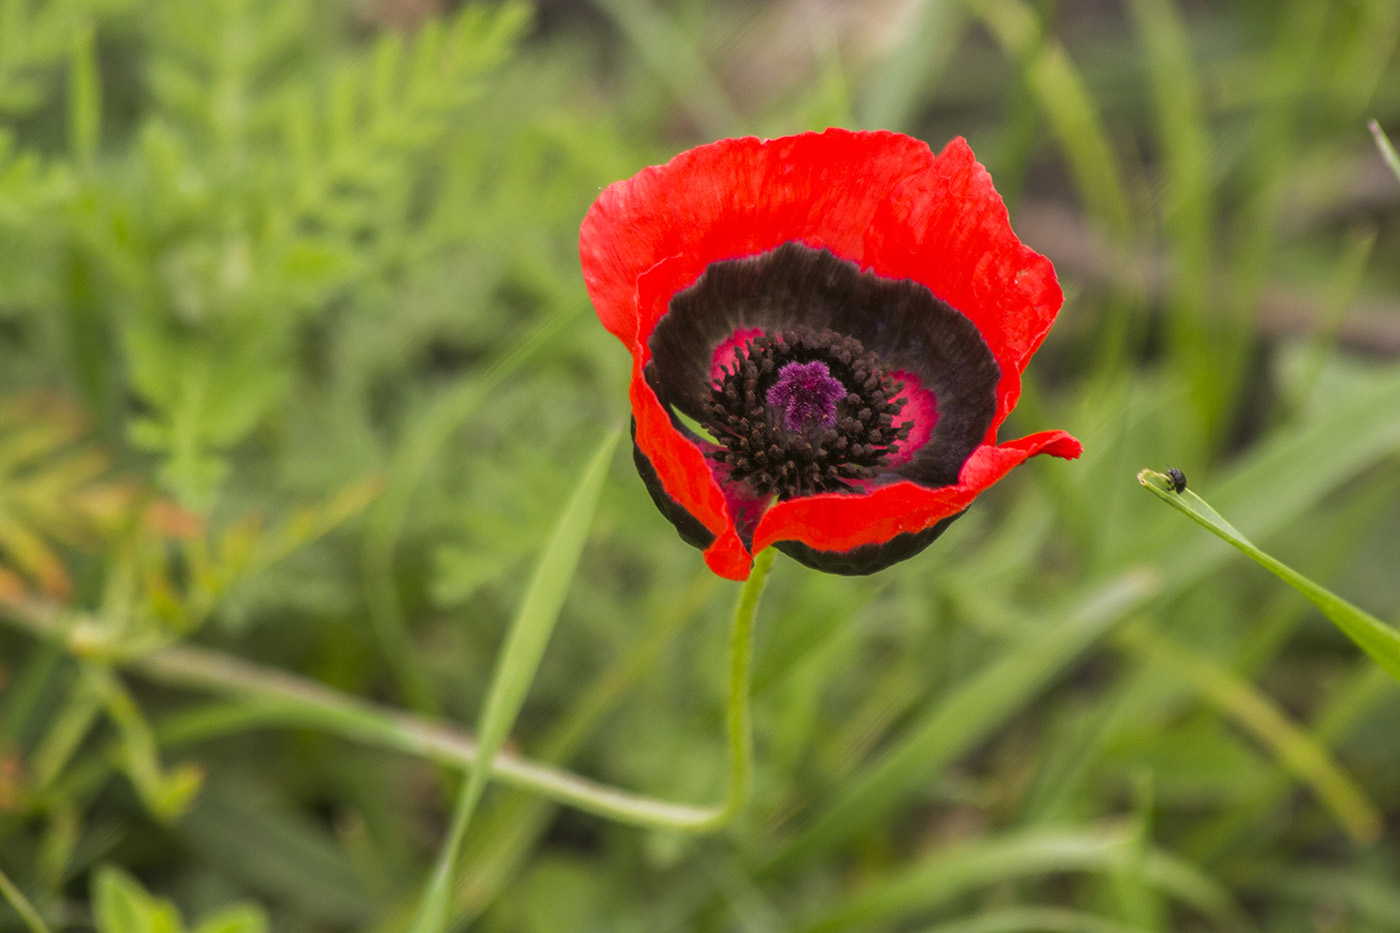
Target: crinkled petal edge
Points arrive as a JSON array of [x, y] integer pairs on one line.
[[840, 523], [685, 476]]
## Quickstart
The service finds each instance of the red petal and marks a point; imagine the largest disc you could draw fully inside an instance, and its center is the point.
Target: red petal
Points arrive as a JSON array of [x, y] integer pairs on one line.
[[948, 228], [681, 467], [738, 197], [679, 463], [729, 558], [881, 200], [841, 522]]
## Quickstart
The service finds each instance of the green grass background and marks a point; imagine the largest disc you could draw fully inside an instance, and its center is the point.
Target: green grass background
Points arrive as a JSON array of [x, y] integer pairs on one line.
[[297, 371]]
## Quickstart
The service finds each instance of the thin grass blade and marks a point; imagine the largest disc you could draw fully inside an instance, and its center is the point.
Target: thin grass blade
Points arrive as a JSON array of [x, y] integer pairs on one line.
[[960, 869], [1296, 748], [1387, 150], [1034, 920], [1060, 91], [84, 97], [1373, 636], [909, 77], [675, 61], [515, 670], [20, 905]]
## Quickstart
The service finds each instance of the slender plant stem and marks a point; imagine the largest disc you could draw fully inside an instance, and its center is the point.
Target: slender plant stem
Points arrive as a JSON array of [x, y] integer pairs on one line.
[[269, 697], [738, 716], [431, 916], [21, 905]]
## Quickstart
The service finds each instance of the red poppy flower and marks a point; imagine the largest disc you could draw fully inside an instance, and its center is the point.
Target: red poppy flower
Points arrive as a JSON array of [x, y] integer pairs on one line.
[[826, 332]]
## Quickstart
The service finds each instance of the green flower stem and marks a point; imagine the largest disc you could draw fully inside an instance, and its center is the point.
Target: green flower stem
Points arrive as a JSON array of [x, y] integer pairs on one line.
[[738, 717], [267, 697]]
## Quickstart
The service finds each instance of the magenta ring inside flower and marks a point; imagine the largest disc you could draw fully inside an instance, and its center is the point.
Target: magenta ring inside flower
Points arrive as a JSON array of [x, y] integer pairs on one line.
[[920, 412], [728, 349]]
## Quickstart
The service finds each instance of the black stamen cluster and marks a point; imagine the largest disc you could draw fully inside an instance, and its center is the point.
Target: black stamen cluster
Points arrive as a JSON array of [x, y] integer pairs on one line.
[[761, 451]]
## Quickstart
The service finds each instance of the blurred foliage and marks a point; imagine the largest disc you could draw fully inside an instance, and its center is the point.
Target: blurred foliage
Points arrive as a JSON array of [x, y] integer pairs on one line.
[[119, 905], [296, 368]]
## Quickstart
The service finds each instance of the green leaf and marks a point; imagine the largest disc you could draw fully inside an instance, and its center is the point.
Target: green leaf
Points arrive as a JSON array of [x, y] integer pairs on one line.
[[908, 78], [241, 918], [250, 833], [207, 393], [1035, 920], [1295, 748], [670, 53], [167, 793], [121, 905], [515, 668], [1060, 90], [84, 97], [1373, 636], [956, 870]]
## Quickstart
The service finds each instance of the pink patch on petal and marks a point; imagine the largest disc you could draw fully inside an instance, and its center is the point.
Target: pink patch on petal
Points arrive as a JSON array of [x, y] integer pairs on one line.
[[920, 412], [728, 350], [745, 508]]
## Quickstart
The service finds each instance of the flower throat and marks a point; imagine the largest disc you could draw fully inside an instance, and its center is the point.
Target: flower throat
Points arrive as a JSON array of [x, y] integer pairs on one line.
[[803, 412]]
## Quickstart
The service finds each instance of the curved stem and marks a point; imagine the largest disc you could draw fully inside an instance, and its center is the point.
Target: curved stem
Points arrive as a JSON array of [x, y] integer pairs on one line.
[[268, 697]]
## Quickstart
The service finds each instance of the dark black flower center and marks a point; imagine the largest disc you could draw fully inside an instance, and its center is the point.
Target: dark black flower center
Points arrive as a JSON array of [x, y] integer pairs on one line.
[[804, 412], [812, 375]]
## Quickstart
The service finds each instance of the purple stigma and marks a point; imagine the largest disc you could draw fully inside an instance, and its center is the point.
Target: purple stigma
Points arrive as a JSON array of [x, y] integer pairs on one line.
[[806, 394]]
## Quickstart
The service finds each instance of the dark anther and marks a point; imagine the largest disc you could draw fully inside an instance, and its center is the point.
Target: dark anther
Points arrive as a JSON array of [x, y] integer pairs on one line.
[[804, 412]]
